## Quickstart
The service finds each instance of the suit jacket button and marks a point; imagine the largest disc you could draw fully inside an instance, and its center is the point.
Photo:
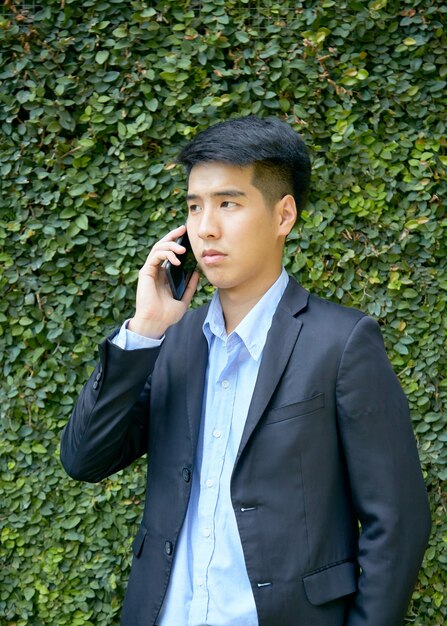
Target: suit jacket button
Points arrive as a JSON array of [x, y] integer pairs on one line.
[[186, 475], [95, 385], [168, 547]]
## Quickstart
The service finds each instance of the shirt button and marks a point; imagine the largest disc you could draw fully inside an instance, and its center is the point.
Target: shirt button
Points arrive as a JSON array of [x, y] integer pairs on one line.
[[186, 474], [168, 548], [206, 532], [209, 482], [217, 433], [200, 581], [225, 384]]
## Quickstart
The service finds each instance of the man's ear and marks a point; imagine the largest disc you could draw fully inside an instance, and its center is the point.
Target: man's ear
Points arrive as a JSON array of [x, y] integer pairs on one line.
[[287, 214]]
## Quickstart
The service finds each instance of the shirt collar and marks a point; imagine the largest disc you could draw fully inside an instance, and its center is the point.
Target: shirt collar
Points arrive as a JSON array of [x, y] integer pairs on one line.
[[253, 329]]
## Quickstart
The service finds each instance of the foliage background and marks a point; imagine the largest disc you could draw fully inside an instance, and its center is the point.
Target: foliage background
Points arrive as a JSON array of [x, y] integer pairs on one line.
[[95, 99]]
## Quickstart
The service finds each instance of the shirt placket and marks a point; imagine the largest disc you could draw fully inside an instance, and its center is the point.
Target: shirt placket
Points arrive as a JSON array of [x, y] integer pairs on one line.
[[216, 436]]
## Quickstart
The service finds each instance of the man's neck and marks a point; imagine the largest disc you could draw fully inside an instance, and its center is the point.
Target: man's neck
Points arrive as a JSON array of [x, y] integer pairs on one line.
[[235, 306]]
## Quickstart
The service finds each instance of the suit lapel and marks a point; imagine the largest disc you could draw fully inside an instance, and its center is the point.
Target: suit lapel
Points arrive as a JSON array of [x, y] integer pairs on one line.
[[281, 340], [196, 363]]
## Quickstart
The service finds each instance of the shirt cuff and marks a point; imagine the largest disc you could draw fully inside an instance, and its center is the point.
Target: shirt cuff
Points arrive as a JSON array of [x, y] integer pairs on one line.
[[128, 340]]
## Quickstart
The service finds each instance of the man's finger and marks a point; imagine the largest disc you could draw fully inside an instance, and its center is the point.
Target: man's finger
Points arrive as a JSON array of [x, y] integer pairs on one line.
[[174, 234]]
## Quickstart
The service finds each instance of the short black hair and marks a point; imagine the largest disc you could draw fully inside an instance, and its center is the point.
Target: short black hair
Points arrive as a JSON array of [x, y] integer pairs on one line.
[[279, 155]]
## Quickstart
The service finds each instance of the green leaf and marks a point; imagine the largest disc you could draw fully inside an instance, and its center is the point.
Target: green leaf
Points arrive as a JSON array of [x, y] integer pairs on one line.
[[29, 593], [242, 37], [112, 271], [70, 522], [82, 222], [77, 190], [102, 56], [23, 96], [120, 32], [378, 4]]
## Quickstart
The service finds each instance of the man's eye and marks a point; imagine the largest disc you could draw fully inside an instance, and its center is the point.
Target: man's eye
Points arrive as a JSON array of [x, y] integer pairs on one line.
[[228, 204], [193, 208]]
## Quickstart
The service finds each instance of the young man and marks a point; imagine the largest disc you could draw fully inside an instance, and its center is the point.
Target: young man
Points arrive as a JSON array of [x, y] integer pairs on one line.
[[273, 421]]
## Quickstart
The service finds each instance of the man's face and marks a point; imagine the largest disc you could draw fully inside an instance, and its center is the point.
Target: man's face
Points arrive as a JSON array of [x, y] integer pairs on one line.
[[236, 237]]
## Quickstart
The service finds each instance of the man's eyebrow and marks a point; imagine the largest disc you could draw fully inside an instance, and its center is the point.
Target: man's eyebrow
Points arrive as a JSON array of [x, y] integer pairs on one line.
[[232, 193]]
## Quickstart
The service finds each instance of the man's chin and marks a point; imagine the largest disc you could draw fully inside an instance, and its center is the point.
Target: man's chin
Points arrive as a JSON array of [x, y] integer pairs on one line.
[[212, 277]]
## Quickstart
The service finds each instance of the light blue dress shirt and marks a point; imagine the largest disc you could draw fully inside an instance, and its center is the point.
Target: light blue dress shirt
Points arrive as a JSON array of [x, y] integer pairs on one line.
[[209, 584]]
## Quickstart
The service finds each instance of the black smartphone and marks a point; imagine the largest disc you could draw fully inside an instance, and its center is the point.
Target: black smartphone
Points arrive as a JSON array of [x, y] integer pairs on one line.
[[179, 275]]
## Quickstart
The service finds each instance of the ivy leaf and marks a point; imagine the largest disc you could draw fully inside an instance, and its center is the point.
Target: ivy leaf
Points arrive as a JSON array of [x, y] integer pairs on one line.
[[70, 522], [102, 56], [82, 222]]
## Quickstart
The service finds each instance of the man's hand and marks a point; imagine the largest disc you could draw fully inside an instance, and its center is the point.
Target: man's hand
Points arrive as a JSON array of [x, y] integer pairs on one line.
[[156, 309]]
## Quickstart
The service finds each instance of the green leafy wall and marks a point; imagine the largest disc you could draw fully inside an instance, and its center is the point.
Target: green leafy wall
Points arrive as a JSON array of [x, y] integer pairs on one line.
[[96, 97]]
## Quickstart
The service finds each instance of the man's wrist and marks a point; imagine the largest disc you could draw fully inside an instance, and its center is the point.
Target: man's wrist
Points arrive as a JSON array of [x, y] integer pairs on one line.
[[146, 328]]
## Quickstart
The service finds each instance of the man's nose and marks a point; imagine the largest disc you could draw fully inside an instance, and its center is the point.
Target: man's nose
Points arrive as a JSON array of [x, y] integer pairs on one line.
[[208, 227]]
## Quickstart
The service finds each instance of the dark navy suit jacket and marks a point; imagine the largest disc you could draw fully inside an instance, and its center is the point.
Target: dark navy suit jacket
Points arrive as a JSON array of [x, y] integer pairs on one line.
[[327, 487]]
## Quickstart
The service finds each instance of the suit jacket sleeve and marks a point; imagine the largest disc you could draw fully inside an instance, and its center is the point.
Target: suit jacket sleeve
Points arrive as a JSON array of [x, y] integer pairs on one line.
[[108, 428], [385, 479]]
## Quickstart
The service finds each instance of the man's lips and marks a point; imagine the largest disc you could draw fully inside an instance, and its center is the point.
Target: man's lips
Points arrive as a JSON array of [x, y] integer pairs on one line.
[[211, 257]]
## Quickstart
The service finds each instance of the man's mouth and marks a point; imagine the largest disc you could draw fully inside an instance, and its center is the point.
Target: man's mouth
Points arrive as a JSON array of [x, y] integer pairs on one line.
[[212, 257]]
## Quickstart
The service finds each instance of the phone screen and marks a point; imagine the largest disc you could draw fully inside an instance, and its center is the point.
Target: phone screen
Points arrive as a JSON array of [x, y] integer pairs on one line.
[[179, 275]]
